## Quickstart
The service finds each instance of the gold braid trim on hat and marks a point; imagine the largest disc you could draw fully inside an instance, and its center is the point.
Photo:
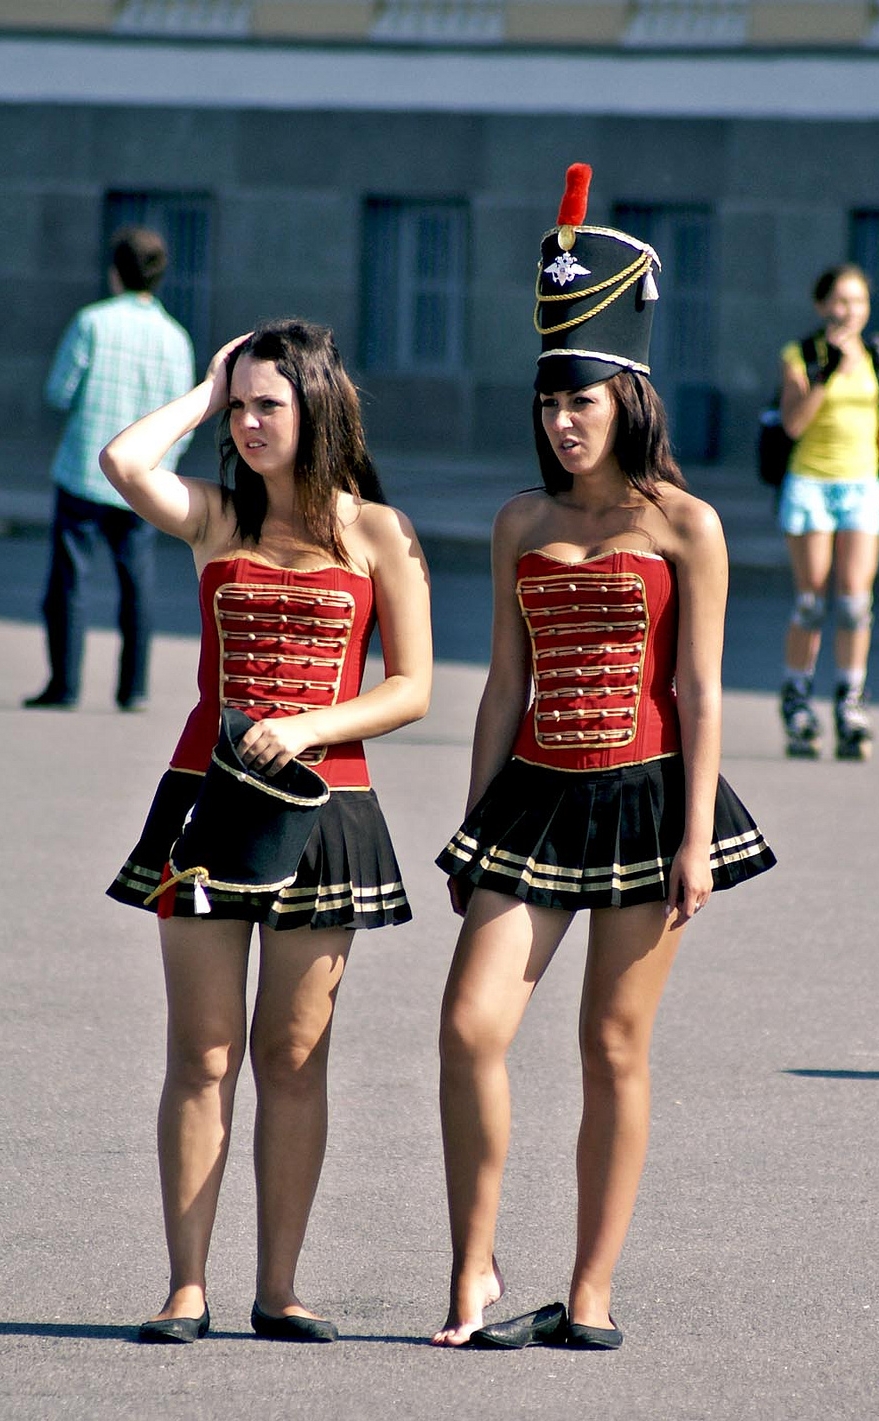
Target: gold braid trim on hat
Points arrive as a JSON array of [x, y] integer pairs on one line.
[[200, 875], [627, 277]]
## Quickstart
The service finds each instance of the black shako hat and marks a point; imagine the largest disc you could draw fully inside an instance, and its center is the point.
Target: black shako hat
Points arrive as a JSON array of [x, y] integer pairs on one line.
[[594, 297], [246, 831]]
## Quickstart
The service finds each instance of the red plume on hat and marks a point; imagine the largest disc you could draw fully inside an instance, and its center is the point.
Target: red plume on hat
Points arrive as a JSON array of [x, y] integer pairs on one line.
[[572, 210]]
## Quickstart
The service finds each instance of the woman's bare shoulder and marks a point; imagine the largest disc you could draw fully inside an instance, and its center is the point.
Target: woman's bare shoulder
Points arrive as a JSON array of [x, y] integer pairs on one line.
[[686, 527], [689, 515], [380, 521], [521, 511], [373, 533]]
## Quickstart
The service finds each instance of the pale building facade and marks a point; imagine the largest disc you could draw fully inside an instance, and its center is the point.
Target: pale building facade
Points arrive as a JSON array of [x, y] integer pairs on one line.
[[389, 168]]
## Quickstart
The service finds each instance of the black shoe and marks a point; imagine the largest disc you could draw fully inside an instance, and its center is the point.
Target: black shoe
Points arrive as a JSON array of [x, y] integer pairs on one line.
[[134, 705], [175, 1329], [594, 1339], [49, 700], [544, 1328], [292, 1329]]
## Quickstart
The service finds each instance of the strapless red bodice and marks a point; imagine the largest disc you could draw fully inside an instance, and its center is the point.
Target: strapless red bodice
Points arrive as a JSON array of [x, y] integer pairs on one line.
[[603, 644], [275, 642]]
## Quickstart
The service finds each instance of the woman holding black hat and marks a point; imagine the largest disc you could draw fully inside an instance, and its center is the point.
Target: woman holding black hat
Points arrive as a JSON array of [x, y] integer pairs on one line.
[[604, 792], [298, 556]]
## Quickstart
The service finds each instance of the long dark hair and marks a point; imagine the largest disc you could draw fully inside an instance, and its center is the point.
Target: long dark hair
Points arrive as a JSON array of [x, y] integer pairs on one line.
[[642, 445], [332, 452]]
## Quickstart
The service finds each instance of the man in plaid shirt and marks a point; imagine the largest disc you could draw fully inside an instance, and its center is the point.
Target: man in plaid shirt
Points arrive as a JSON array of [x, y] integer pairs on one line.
[[118, 359]]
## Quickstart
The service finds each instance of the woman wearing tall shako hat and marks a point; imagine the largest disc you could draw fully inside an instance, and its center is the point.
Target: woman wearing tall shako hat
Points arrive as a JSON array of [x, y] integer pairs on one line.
[[595, 773]]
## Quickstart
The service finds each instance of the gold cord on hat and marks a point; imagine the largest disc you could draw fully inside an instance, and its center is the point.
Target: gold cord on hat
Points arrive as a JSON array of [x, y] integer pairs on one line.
[[641, 266], [199, 874]]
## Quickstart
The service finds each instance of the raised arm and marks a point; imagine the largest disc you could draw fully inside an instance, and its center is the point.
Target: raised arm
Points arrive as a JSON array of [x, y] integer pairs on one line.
[[387, 540], [185, 508], [701, 563], [800, 401]]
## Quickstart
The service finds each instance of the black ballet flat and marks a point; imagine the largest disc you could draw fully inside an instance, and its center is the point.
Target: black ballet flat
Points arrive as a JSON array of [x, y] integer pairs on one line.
[[594, 1339], [547, 1327], [292, 1329], [175, 1329]]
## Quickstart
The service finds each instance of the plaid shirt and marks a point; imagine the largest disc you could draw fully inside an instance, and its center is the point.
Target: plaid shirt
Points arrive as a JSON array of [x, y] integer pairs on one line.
[[118, 359]]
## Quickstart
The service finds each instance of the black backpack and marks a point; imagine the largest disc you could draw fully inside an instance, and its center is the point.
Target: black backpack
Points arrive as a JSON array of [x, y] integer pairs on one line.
[[773, 444]]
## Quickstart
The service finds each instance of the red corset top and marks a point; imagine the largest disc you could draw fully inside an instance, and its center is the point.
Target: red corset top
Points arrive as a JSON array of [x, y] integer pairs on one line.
[[276, 641], [603, 640]]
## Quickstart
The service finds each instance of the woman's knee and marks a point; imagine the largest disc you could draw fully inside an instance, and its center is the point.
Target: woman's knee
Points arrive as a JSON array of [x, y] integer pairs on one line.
[[203, 1064], [808, 611], [288, 1064], [469, 1035], [614, 1051]]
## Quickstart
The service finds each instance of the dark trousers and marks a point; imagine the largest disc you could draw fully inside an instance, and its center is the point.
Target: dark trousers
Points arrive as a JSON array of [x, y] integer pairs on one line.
[[77, 524]]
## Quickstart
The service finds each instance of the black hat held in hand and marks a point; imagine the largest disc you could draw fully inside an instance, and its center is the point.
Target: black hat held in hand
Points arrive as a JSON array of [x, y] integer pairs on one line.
[[595, 295], [246, 831]]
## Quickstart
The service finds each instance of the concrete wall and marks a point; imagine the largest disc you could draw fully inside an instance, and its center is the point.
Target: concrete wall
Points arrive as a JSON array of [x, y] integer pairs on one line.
[[288, 191]]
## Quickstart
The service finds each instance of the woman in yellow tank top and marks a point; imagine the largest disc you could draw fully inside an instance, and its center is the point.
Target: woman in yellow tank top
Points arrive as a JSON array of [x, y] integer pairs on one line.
[[829, 511]]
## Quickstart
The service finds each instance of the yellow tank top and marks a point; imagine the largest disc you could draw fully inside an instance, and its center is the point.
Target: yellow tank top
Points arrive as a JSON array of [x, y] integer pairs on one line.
[[842, 441]]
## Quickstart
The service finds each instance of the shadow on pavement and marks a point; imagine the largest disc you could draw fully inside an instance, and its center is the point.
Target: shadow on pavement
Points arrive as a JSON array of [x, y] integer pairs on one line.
[[94, 1331], [815, 1074], [110, 1333]]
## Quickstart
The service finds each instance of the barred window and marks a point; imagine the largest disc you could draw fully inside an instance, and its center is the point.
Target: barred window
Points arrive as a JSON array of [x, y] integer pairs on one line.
[[224, 18], [440, 21], [683, 343], [414, 286], [184, 220], [687, 22], [864, 247]]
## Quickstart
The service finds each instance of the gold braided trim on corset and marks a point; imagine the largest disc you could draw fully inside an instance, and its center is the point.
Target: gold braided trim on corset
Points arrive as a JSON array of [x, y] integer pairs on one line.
[[589, 632], [266, 626], [627, 277], [597, 769]]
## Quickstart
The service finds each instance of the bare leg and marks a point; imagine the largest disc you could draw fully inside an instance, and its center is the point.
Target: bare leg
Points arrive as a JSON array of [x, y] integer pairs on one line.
[[299, 978], [631, 951], [811, 556], [503, 950], [856, 559], [205, 980]]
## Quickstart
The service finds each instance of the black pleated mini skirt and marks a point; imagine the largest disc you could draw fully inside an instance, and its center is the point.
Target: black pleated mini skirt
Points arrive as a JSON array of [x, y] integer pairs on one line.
[[595, 839], [348, 876]]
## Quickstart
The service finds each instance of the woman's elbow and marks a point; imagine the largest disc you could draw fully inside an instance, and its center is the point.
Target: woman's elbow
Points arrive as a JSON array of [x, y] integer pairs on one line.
[[419, 703], [414, 701], [111, 468]]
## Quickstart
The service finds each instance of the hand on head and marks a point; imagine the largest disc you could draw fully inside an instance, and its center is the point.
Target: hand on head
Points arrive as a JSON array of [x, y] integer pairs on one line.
[[216, 371]]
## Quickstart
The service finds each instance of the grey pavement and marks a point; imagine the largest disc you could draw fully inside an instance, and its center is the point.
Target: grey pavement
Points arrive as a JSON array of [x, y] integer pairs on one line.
[[747, 1288]]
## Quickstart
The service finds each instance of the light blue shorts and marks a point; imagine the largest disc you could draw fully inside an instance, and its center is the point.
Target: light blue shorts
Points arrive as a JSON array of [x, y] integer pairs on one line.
[[827, 506]]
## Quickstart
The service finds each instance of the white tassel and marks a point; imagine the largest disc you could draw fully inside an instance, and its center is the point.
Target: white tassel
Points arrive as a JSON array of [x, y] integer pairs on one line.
[[200, 900], [649, 289]]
